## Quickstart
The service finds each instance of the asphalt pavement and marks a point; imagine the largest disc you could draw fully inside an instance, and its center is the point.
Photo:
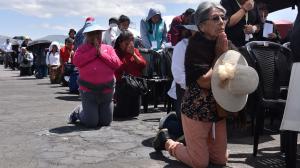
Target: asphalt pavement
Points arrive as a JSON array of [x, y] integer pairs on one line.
[[35, 134]]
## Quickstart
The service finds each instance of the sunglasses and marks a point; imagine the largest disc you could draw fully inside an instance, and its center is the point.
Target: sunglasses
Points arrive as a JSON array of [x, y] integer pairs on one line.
[[217, 18]]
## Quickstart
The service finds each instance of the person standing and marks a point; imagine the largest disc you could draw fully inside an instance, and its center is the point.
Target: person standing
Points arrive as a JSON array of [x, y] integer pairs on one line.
[[153, 30], [110, 34], [7, 49], [174, 34], [72, 33], [243, 20], [79, 37], [295, 40]]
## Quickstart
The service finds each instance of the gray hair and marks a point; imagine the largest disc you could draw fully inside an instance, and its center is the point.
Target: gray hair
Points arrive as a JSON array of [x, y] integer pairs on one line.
[[203, 10]]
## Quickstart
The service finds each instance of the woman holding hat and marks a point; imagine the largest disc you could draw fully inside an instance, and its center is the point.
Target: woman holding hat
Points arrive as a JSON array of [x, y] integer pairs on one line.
[[204, 130], [96, 63]]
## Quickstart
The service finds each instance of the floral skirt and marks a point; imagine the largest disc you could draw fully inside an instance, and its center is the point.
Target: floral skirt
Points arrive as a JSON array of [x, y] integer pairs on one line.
[[199, 104]]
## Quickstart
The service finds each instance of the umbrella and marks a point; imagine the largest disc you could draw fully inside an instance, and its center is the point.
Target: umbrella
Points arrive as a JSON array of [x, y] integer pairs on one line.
[[36, 42], [275, 5]]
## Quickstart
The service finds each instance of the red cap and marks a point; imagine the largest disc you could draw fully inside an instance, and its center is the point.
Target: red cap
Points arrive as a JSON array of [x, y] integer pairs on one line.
[[89, 19]]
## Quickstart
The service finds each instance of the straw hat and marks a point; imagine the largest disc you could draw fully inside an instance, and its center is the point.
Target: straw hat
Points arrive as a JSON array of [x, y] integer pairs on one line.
[[232, 81]]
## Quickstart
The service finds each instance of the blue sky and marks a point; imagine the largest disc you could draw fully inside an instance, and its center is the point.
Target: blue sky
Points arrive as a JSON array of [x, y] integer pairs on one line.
[[38, 18]]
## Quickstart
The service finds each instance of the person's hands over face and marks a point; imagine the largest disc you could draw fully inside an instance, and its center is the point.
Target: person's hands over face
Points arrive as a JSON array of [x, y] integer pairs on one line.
[[130, 48], [221, 44]]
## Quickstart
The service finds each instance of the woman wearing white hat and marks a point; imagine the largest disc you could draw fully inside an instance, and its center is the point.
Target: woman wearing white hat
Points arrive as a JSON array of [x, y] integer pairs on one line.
[[96, 63], [204, 128]]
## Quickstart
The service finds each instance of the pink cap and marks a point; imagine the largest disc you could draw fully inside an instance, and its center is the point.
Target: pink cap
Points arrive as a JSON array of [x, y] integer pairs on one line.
[[90, 19]]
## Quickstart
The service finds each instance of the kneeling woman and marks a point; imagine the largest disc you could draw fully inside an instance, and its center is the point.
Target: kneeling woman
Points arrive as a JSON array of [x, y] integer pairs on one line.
[[52, 60], [96, 63], [128, 102]]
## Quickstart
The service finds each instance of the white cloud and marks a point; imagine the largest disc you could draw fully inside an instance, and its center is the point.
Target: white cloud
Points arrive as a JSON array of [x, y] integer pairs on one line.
[[54, 27], [50, 8]]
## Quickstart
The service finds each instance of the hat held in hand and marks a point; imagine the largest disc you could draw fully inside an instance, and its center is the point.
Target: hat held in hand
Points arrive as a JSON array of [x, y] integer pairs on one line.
[[232, 81]]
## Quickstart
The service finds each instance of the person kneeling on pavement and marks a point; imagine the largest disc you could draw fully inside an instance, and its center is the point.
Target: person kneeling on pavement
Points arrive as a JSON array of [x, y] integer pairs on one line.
[[96, 63], [25, 59], [128, 101], [203, 119], [53, 62]]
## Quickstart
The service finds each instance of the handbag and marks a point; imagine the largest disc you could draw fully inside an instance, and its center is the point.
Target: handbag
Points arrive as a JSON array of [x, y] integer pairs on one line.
[[137, 84]]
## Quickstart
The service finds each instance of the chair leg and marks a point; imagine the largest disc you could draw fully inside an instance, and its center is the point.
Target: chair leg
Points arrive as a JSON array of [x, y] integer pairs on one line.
[[291, 149], [259, 126], [145, 103]]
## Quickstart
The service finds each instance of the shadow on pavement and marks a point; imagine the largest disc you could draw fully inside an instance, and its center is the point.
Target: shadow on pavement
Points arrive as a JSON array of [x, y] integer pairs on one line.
[[69, 98], [22, 78], [148, 142], [56, 86], [124, 119], [170, 163], [71, 128], [151, 120], [267, 157], [44, 83]]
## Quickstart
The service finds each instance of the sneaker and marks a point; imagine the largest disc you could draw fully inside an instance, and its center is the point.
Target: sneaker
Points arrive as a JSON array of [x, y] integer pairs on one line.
[[160, 140], [164, 120], [73, 118]]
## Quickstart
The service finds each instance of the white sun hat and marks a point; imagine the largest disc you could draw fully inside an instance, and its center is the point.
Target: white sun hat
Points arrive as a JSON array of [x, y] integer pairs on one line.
[[232, 81], [94, 27]]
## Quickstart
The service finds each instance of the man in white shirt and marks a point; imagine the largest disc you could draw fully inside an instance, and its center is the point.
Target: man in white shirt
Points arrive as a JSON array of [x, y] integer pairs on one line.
[[172, 121], [7, 49], [111, 34]]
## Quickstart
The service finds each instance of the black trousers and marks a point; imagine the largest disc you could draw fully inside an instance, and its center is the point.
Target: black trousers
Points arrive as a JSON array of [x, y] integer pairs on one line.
[[127, 102]]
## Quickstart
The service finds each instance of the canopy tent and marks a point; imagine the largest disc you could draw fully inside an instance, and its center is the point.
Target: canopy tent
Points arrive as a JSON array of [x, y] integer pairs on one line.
[[283, 27]]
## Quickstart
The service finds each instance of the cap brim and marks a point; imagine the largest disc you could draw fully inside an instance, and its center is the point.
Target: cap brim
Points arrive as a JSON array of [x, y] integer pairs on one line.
[[191, 27], [188, 27], [228, 101], [93, 28]]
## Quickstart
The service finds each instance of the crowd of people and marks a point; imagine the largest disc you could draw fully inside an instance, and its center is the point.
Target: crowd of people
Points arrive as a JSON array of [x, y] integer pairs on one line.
[[199, 37]]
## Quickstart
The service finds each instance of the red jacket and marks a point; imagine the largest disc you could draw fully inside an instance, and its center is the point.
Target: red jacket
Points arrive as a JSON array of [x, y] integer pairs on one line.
[[129, 65], [174, 34], [65, 54]]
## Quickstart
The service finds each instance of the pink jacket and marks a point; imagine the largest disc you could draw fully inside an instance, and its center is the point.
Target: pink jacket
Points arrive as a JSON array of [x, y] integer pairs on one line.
[[96, 70]]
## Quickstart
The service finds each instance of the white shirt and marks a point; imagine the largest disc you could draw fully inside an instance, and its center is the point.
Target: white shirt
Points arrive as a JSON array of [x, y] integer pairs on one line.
[[110, 35], [291, 118], [6, 47], [52, 59], [28, 56], [177, 66]]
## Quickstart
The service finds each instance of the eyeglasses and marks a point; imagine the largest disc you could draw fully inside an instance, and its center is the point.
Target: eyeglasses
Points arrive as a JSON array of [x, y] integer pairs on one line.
[[217, 18]]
